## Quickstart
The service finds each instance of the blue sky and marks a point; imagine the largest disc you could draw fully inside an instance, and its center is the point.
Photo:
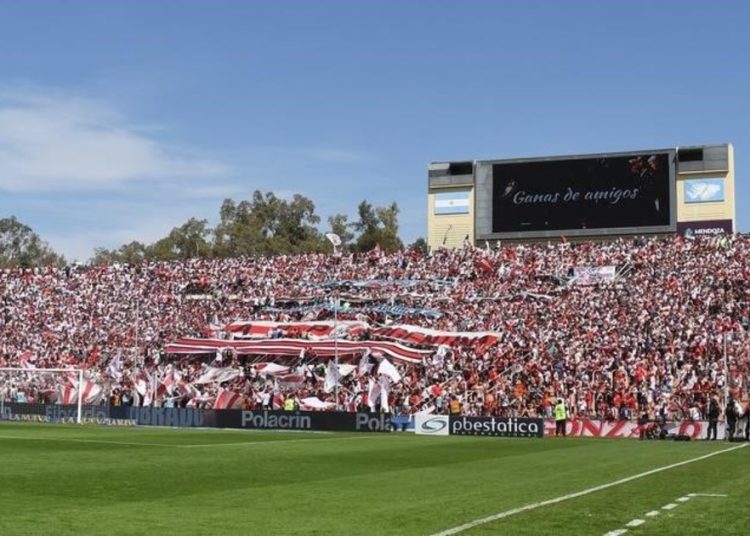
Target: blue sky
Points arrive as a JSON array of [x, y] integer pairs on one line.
[[120, 120]]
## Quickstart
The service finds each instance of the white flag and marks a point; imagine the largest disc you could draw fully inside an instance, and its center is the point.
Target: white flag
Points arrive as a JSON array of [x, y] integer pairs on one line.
[[334, 239], [385, 389], [386, 368], [364, 363], [373, 394], [209, 376], [115, 368], [332, 377]]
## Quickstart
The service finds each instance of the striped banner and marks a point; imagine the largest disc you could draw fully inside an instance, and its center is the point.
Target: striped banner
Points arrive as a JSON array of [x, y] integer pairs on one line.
[[292, 348]]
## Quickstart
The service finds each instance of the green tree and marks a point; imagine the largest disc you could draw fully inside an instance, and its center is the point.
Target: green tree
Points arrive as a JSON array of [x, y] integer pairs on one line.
[[21, 247], [420, 244], [377, 226], [237, 233], [184, 242], [267, 225], [388, 218], [295, 228], [132, 253]]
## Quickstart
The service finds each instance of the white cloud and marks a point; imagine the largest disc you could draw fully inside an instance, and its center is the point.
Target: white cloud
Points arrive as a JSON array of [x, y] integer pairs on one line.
[[54, 142]]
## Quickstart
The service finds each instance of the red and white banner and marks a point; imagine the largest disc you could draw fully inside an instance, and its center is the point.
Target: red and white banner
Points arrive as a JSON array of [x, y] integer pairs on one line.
[[593, 275], [141, 383], [291, 381], [292, 348], [628, 429], [263, 329], [168, 384], [218, 375], [228, 400], [432, 337], [92, 392], [313, 403], [67, 394], [271, 369]]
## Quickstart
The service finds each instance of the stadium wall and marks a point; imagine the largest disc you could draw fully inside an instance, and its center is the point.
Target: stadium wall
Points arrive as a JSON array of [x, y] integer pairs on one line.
[[709, 171], [450, 205]]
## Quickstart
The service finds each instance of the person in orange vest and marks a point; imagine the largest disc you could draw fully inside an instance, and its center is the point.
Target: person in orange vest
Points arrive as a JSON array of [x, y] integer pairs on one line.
[[454, 407]]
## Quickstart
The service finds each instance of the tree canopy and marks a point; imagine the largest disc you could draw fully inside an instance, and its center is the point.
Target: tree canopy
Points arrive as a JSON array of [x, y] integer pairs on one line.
[[21, 247], [266, 224]]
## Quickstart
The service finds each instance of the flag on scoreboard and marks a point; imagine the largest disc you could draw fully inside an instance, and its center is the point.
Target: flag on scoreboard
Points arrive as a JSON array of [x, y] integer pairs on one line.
[[451, 203]]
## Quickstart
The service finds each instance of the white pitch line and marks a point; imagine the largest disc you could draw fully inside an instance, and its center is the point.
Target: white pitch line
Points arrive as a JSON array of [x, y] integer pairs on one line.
[[616, 532], [708, 495], [270, 442], [669, 506], [173, 445], [79, 440], [533, 506], [654, 513]]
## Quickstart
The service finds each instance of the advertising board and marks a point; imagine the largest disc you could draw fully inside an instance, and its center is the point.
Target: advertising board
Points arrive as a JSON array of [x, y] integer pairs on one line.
[[705, 228], [497, 426], [443, 425], [629, 429], [207, 418], [431, 425]]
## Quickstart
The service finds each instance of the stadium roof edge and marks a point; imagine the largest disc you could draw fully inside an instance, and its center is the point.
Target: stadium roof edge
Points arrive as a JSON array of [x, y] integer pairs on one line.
[[443, 165]]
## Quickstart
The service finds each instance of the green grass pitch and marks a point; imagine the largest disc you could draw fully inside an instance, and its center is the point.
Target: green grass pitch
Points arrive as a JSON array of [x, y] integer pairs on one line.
[[62, 479]]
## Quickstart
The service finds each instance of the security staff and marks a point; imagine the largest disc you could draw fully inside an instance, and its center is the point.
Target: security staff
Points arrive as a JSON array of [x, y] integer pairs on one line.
[[454, 408], [731, 416], [713, 418], [289, 404], [561, 417]]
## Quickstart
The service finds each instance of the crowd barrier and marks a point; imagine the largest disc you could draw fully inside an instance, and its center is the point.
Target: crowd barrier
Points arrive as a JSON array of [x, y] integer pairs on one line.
[[342, 421], [204, 418]]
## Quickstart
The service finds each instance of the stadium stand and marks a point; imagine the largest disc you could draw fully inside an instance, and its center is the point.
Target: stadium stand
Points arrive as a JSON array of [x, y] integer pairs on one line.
[[615, 328]]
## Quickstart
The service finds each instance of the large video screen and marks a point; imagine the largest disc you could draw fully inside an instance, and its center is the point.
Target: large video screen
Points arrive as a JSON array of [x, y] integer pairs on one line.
[[581, 193]]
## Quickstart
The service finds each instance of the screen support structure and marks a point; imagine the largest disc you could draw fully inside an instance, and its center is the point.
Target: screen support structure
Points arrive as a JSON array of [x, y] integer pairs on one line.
[[29, 371]]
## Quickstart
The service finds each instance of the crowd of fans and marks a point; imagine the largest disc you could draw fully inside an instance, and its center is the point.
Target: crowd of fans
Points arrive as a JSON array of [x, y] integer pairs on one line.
[[665, 333]]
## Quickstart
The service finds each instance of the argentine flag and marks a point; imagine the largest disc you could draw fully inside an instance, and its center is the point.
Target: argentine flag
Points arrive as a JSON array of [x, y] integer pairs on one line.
[[452, 203]]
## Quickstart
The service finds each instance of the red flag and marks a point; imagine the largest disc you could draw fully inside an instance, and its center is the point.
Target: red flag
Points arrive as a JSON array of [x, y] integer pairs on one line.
[[484, 266]]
